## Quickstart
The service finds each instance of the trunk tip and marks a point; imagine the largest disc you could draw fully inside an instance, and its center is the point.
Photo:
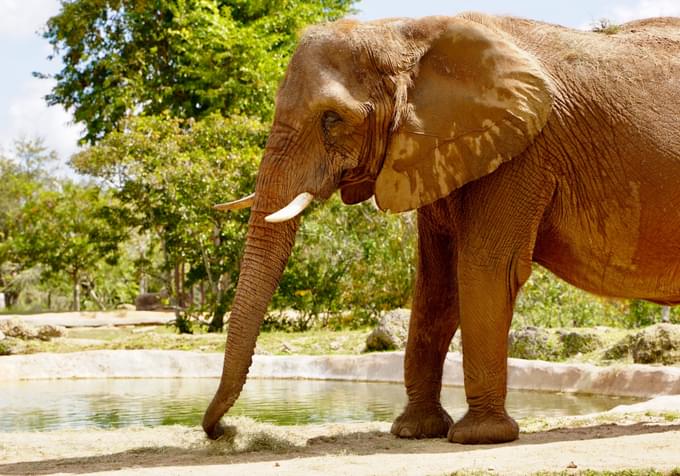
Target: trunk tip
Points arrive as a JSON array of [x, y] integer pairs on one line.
[[219, 431]]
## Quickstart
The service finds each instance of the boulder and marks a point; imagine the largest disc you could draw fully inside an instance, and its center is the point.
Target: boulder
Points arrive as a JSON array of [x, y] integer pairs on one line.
[[2, 336], [659, 343], [391, 332], [19, 330], [16, 328], [532, 343], [150, 301], [619, 350], [49, 331], [578, 342]]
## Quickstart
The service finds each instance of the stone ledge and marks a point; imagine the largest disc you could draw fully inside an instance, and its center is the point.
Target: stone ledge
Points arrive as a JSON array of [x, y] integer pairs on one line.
[[630, 380], [94, 318]]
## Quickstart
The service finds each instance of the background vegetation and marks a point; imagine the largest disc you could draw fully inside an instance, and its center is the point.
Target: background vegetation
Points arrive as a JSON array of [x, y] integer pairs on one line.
[[176, 97]]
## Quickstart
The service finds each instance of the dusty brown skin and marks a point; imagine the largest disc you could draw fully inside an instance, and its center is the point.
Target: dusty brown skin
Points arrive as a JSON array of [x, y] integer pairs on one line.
[[517, 141]]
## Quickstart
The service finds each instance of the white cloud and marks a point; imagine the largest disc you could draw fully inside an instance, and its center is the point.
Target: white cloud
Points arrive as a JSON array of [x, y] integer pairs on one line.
[[28, 116], [23, 18], [646, 9]]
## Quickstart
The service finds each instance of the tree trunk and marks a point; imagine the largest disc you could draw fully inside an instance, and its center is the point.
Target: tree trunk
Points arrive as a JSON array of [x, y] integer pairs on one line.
[[76, 291]]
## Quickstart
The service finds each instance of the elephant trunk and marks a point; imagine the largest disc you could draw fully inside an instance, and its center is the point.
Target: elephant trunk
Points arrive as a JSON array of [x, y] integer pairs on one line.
[[268, 247]]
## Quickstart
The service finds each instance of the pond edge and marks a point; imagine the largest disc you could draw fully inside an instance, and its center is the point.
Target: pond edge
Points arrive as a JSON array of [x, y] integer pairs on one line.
[[621, 380]]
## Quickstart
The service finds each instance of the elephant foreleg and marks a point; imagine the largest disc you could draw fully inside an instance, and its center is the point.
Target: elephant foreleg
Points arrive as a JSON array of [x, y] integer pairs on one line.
[[486, 301], [434, 320]]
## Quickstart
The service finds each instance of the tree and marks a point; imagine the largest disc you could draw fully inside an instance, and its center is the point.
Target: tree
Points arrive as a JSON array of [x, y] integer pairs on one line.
[[23, 174], [186, 57], [167, 173], [68, 231]]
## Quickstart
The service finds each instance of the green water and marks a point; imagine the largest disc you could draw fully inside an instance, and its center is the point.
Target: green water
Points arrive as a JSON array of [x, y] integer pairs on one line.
[[48, 405]]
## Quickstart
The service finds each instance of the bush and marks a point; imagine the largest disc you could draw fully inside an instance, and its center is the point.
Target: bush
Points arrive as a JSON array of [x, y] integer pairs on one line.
[[5, 348], [547, 301], [348, 259], [578, 342], [533, 343], [657, 344]]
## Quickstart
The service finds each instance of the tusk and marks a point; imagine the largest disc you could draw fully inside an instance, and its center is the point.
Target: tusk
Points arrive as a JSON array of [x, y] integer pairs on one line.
[[244, 202], [291, 210]]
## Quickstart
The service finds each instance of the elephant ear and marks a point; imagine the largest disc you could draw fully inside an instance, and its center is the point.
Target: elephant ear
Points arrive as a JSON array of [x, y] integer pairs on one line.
[[475, 101]]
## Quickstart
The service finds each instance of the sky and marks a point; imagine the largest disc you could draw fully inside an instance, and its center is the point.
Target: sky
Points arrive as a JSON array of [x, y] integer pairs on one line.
[[24, 113]]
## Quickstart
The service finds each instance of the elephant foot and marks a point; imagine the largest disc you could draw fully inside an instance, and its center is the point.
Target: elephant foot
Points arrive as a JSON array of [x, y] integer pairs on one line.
[[481, 428], [422, 421]]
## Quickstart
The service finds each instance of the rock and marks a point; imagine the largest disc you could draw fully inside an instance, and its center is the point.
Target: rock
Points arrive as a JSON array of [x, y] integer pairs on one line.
[[391, 332], [532, 343], [150, 301], [2, 335], [126, 307], [16, 328], [578, 342], [49, 331], [620, 350], [657, 344]]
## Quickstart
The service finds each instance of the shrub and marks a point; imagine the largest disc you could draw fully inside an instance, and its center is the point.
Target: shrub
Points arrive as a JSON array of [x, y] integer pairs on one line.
[[547, 301], [348, 258], [5, 348]]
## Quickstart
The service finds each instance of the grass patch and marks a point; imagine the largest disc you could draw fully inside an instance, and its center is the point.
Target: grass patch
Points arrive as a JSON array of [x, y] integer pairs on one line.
[[315, 342], [535, 425]]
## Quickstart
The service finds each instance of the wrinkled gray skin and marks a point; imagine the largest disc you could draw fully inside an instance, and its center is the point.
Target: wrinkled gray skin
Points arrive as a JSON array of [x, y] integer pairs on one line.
[[516, 142]]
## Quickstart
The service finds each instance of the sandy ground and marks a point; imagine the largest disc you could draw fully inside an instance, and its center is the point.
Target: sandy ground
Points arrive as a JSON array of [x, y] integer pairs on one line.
[[611, 441]]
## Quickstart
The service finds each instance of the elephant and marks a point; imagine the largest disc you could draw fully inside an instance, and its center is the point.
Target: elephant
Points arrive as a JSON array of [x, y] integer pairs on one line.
[[516, 142]]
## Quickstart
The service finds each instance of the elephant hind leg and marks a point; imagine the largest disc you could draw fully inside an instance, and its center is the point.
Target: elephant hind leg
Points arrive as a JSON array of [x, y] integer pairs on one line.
[[434, 320]]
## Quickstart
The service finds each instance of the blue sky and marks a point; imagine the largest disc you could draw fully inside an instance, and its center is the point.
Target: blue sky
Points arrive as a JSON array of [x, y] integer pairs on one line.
[[23, 112]]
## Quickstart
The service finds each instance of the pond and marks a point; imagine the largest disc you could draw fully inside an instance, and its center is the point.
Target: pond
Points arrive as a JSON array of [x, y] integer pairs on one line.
[[114, 403]]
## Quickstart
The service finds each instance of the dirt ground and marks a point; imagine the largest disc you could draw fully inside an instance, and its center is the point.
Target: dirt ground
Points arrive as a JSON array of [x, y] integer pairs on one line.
[[564, 446]]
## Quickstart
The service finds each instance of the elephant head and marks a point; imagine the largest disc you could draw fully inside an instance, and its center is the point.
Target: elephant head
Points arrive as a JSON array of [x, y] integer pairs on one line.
[[403, 110]]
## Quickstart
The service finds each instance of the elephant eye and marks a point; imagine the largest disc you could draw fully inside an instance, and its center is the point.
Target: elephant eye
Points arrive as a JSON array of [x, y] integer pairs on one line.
[[330, 119]]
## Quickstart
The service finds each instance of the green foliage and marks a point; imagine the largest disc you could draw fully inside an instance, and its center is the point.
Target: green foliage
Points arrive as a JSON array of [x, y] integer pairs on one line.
[[190, 58], [24, 174], [574, 343], [5, 347], [68, 232], [546, 301], [348, 258], [533, 343], [643, 313], [113, 283], [167, 173]]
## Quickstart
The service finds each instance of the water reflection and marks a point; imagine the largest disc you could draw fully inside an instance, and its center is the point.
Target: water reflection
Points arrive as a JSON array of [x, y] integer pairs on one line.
[[48, 405]]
